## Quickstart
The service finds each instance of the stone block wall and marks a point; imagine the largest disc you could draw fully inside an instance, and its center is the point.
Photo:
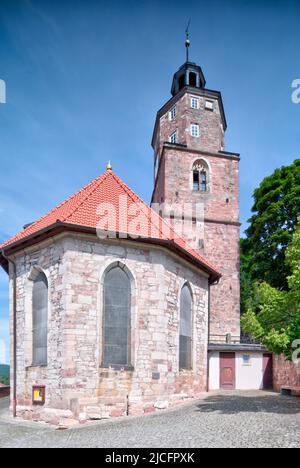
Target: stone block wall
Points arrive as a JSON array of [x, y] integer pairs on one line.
[[222, 247], [49, 259], [210, 124], [285, 373], [77, 387], [216, 223]]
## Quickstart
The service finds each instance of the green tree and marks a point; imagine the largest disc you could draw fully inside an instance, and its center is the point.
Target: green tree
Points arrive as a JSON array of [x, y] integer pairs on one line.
[[273, 317], [4, 380], [275, 211]]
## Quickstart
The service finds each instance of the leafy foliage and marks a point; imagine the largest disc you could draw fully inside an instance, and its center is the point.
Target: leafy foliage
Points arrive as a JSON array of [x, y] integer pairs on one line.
[[4, 374], [276, 208], [273, 315]]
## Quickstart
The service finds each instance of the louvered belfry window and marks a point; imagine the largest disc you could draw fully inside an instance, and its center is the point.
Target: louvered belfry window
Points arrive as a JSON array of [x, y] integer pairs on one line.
[[116, 318], [185, 338], [40, 320]]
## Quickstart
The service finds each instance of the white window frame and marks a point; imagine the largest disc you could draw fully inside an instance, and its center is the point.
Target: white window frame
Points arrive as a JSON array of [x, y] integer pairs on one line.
[[173, 113], [196, 101], [209, 105], [195, 130], [173, 137]]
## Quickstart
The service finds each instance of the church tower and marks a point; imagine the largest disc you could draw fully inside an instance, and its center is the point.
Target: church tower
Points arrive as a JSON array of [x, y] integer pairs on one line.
[[197, 183]]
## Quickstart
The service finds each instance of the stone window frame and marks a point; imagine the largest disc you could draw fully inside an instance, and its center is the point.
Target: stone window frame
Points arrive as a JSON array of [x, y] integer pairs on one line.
[[195, 100], [109, 265], [195, 130], [210, 105], [193, 321], [173, 113], [173, 137], [28, 329], [207, 166]]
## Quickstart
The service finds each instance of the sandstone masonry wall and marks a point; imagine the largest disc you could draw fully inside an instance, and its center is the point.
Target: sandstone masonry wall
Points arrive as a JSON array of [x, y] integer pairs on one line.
[[210, 123], [218, 227], [77, 387], [285, 373]]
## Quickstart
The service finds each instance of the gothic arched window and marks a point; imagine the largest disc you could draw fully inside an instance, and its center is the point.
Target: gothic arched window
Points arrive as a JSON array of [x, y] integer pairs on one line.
[[185, 333], [200, 176], [116, 318], [40, 320]]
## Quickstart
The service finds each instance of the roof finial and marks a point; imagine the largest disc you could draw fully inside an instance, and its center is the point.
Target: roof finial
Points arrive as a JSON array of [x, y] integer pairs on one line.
[[109, 166], [187, 41]]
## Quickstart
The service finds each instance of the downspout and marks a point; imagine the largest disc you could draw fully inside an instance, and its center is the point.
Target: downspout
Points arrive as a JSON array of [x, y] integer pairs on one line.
[[14, 402], [208, 340]]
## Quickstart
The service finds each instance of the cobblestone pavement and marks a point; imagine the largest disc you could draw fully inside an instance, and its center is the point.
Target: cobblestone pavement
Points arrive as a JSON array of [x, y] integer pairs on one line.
[[239, 419]]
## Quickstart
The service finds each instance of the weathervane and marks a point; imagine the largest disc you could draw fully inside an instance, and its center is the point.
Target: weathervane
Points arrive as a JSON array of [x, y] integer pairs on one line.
[[187, 41]]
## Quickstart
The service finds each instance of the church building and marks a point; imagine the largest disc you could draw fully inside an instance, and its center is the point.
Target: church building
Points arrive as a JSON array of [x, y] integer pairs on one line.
[[119, 308]]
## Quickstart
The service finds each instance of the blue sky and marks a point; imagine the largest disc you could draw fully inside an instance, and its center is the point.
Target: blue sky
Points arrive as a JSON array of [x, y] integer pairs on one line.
[[86, 78]]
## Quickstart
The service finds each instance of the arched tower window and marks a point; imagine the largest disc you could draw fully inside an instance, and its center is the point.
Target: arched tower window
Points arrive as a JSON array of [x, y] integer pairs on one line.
[[181, 82], [40, 320], [116, 318], [200, 176], [193, 79], [185, 334]]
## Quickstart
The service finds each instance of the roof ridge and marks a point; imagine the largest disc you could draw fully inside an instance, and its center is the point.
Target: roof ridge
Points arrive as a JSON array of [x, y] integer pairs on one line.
[[161, 220], [136, 197], [174, 233], [57, 207], [80, 207], [187, 246], [130, 192], [95, 184]]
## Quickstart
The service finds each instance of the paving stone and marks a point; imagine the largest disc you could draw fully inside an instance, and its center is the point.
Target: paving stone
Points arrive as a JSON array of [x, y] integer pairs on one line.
[[237, 419]]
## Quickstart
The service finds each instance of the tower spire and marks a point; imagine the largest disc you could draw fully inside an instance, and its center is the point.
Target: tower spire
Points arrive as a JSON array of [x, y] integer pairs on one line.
[[187, 40]]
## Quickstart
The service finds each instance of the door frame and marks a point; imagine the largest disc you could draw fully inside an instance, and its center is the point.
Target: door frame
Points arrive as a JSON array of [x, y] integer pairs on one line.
[[270, 356], [232, 355]]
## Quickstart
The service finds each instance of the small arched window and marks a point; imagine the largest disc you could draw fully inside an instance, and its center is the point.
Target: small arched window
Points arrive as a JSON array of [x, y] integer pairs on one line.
[[40, 320], [193, 79], [116, 318], [200, 176], [181, 82], [185, 333]]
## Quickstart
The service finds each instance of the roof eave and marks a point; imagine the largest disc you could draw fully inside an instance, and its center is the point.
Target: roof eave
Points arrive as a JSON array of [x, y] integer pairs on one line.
[[243, 347], [4, 263], [59, 227]]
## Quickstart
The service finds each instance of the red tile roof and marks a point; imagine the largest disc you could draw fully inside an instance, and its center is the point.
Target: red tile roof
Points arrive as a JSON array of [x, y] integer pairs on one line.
[[109, 204]]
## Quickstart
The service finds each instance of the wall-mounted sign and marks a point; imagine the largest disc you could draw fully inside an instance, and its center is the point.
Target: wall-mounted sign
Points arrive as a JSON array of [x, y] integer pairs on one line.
[[38, 395]]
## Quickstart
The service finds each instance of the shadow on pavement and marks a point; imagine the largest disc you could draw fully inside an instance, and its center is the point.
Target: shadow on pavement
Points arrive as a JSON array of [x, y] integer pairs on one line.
[[226, 403]]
